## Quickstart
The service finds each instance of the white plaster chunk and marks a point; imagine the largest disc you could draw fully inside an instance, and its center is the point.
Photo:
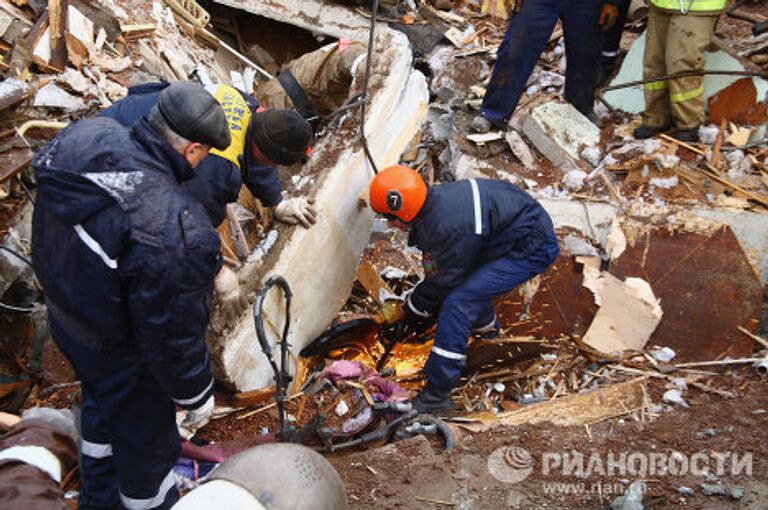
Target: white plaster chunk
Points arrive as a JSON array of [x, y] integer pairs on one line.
[[52, 96], [520, 149]]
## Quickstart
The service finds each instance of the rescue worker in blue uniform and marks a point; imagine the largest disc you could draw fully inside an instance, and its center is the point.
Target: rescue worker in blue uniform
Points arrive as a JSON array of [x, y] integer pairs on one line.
[[260, 140], [480, 238], [126, 260], [526, 37]]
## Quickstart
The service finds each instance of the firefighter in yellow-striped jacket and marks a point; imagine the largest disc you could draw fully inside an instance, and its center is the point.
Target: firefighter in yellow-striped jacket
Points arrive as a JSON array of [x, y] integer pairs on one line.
[[678, 33]]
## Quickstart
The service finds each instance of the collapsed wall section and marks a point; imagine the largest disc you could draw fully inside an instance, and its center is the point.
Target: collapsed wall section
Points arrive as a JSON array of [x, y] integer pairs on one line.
[[320, 263]]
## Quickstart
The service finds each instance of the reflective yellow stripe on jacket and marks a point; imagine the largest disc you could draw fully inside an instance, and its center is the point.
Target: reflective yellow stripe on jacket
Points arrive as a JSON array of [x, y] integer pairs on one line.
[[690, 5], [238, 117]]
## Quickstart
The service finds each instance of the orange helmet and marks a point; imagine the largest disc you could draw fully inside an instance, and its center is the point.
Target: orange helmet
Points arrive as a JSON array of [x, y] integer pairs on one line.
[[398, 191]]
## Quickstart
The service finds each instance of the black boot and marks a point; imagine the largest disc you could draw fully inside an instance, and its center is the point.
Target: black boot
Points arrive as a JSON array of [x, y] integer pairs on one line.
[[643, 132], [687, 135], [431, 400]]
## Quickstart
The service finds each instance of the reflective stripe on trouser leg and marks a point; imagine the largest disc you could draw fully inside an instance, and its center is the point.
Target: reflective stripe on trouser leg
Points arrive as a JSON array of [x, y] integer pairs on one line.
[[688, 38], [98, 474], [124, 406], [486, 321], [157, 500], [657, 112], [464, 305]]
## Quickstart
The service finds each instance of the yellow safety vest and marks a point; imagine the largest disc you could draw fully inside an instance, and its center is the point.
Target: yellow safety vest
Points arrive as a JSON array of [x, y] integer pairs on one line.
[[685, 6], [238, 116]]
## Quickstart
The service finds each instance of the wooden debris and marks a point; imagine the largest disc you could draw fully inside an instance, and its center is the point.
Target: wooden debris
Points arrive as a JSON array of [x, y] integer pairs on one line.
[[675, 141], [584, 408], [739, 136], [372, 282], [483, 138], [138, 31], [57, 13], [754, 337], [436, 501], [253, 397], [716, 154]]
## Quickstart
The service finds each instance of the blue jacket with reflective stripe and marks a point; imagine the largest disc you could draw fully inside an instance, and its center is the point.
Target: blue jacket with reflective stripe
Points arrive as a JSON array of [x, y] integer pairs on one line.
[[459, 230], [125, 257], [216, 181]]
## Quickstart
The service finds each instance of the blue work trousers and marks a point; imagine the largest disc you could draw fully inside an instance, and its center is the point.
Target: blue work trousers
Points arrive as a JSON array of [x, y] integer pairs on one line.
[[470, 305], [526, 37], [129, 442]]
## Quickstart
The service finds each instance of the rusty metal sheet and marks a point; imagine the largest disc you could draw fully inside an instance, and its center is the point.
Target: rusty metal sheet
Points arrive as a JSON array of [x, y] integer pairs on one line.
[[707, 289], [562, 306]]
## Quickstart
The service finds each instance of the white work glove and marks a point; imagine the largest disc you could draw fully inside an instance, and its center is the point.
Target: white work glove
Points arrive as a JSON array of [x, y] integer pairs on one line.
[[189, 421], [296, 210], [229, 296]]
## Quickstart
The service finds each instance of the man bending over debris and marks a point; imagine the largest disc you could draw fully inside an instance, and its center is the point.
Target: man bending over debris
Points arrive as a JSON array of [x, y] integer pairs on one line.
[[480, 238], [317, 83], [260, 140], [126, 260], [526, 37]]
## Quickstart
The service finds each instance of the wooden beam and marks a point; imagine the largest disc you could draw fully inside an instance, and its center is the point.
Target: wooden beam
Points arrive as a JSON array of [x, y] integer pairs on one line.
[[57, 13], [582, 409]]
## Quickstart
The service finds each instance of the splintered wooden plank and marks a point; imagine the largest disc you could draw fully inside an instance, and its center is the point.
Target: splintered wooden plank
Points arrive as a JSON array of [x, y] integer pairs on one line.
[[581, 409]]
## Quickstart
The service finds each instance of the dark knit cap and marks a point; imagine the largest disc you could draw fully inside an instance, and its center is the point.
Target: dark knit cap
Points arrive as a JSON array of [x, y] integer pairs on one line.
[[281, 135], [192, 112]]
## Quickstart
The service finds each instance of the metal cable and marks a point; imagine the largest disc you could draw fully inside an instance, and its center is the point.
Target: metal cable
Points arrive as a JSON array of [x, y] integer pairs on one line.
[[368, 60]]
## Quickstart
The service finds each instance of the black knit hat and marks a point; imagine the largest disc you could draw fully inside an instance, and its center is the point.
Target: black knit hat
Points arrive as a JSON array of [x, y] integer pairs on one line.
[[281, 135], [192, 112]]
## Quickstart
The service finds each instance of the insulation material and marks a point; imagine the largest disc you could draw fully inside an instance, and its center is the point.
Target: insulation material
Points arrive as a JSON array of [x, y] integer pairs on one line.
[[629, 311]]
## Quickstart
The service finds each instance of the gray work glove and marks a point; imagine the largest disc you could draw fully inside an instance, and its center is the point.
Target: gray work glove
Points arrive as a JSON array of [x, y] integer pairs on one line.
[[190, 420], [296, 210], [229, 296]]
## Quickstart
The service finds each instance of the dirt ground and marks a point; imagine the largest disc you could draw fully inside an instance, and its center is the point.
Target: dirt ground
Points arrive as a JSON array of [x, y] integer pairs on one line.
[[412, 475]]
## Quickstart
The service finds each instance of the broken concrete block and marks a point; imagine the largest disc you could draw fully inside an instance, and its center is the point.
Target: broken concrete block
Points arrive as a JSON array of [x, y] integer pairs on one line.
[[592, 155], [560, 132], [52, 96], [520, 149], [629, 311], [12, 267], [674, 397], [631, 99], [469, 167], [317, 16]]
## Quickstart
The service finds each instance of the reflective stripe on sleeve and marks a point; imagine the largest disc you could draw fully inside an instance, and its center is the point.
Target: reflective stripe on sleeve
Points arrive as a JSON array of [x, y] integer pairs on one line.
[[95, 247], [478, 211]]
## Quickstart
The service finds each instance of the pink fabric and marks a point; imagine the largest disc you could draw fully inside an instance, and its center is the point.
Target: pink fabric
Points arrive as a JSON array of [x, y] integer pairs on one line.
[[389, 391]]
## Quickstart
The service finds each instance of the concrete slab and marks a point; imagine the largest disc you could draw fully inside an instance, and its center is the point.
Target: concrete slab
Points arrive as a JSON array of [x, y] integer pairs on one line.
[[560, 132], [313, 15], [320, 263], [631, 99]]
